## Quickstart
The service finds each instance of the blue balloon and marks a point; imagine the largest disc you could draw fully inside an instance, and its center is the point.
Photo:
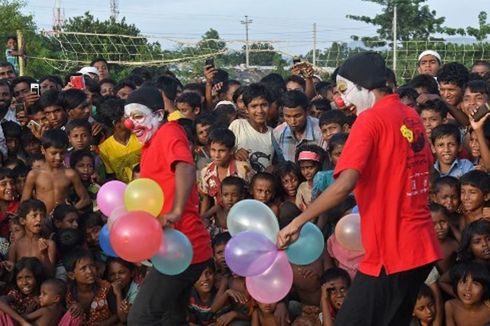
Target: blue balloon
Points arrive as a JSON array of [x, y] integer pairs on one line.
[[104, 242], [175, 253], [355, 210], [308, 247]]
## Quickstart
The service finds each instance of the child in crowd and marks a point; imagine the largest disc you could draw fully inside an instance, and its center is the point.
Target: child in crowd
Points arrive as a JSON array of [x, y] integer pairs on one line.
[[107, 87], [318, 107], [433, 114], [309, 159], [51, 301], [219, 243], [90, 225], [424, 311], [84, 163], [36, 162], [65, 217], [446, 145], [12, 132], [446, 191], [263, 314], [202, 126], [23, 299], [335, 285], [189, 104], [221, 143], [290, 176], [263, 188], [88, 298], [51, 184], [8, 202], [20, 175], [30, 144], [475, 192], [331, 123], [448, 243], [31, 216], [470, 282]]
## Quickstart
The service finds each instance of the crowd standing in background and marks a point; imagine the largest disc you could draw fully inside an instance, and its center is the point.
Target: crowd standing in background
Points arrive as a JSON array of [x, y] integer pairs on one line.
[[415, 157]]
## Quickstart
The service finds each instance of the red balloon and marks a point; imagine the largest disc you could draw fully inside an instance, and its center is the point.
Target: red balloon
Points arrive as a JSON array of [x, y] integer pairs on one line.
[[128, 123], [136, 236]]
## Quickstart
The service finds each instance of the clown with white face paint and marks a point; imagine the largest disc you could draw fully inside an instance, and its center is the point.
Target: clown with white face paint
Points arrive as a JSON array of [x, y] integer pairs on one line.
[[167, 159]]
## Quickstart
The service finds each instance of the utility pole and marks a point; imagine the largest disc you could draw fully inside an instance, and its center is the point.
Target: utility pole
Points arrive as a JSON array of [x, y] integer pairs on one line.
[[58, 16], [314, 44], [395, 45], [114, 8], [246, 22]]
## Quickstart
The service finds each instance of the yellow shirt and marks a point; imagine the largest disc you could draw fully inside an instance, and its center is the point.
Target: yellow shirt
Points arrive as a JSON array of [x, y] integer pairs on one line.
[[176, 115], [120, 159]]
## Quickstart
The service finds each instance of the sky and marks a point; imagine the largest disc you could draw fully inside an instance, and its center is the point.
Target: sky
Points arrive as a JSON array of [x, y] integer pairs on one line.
[[288, 23]]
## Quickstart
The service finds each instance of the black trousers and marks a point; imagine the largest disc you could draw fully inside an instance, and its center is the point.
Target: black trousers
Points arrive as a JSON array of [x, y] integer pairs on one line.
[[163, 299], [386, 300]]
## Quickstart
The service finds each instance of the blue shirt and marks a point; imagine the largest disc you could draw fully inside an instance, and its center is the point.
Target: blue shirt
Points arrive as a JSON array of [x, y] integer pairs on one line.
[[457, 169]]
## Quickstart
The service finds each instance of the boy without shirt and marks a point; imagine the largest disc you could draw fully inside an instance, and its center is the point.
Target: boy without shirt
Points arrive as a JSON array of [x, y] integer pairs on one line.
[[52, 182]]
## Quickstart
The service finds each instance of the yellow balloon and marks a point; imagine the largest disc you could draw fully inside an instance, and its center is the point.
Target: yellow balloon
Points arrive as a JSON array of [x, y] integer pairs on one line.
[[144, 195]]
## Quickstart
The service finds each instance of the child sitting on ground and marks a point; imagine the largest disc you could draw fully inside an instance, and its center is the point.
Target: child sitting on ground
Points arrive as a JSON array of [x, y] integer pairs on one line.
[[51, 300]]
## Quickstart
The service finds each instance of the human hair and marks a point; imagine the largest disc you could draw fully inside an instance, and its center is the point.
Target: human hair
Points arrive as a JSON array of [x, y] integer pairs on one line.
[[6, 64], [324, 87], [425, 292], [438, 208], [264, 176], [445, 130], [221, 76], [296, 79], [222, 136], [120, 261], [5, 83], [194, 87], [77, 155], [477, 179], [205, 119], [78, 123], [90, 220], [99, 59], [478, 227], [71, 99], [223, 114], [337, 140], [52, 78], [220, 238], [72, 258], [55, 138], [449, 181], [333, 116], [11, 37], [49, 98], [67, 240], [125, 83], [11, 129], [22, 79], [254, 91], [481, 63], [107, 81], [110, 110], [424, 81], [311, 148], [6, 173], [478, 272], [58, 285], [32, 264], [274, 80], [436, 105], [191, 98], [478, 86], [235, 182], [390, 76], [453, 73], [62, 210], [30, 205], [20, 170], [227, 84], [293, 99], [288, 167], [237, 93], [335, 273], [168, 85], [321, 104], [407, 92], [35, 157]]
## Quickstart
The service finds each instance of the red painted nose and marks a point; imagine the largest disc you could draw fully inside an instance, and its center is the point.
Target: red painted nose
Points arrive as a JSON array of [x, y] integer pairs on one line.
[[128, 123], [339, 102]]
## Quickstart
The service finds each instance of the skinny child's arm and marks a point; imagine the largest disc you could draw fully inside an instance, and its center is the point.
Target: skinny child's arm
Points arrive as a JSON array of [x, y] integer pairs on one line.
[[205, 206], [448, 308], [29, 186], [80, 190], [255, 318], [49, 258], [35, 314], [5, 307], [438, 321], [12, 254], [445, 284]]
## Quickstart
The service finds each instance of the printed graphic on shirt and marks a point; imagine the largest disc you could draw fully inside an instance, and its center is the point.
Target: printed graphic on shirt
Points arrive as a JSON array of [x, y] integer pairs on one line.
[[411, 131]]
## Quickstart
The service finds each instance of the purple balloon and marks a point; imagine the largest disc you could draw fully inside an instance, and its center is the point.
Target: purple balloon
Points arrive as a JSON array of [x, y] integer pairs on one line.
[[274, 284], [249, 253], [110, 196]]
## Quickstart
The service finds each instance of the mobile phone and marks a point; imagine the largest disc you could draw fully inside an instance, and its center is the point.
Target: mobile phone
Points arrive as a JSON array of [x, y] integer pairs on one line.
[[33, 123], [35, 88], [19, 107], [481, 112], [78, 82], [209, 62]]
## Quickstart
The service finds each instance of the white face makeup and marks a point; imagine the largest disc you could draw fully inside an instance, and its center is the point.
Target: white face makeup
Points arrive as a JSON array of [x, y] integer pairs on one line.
[[351, 93], [145, 121]]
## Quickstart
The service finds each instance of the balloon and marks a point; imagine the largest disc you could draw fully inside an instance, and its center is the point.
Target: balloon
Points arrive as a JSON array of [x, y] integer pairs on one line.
[[348, 232], [274, 284], [175, 253], [355, 210], [116, 213], [308, 247], [253, 215], [144, 195], [136, 236], [105, 243], [249, 253], [110, 196]]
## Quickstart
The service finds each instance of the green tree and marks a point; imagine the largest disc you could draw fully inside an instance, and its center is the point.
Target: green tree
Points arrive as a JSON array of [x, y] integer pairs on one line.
[[483, 29], [211, 42]]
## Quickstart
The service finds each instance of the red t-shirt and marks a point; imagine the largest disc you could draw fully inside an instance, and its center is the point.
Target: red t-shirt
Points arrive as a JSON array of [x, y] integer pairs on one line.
[[12, 208], [168, 146], [389, 148]]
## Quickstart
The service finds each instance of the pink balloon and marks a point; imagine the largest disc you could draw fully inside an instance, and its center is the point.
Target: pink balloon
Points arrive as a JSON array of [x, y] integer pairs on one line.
[[274, 284], [136, 236], [115, 214], [348, 232], [110, 196]]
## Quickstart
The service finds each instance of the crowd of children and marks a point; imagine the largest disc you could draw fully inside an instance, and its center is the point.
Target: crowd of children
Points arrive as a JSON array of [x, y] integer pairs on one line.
[[276, 141]]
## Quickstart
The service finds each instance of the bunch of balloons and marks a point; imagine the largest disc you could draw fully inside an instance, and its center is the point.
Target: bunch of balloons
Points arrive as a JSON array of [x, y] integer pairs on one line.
[[134, 233], [252, 252], [348, 232]]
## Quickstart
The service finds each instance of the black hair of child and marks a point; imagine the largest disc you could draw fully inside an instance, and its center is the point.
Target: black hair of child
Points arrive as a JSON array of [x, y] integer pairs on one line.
[[438, 208], [11, 37], [108, 81], [22, 79], [68, 240], [58, 285], [288, 167], [274, 80], [20, 170], [205, 119], [223, 114], [478, 227], [424, 81], [235, 182], [436, 105], [6, 173], [294, 99], [49, 98], [449, 181], [78, 123], [296, 79], [72, 258], [121, 261], [477, 271], [77, 155], [321, 104], [425, 292], [337, 140], [52, 78], [264, 176], [238, 92], [407, 92], [35, 157], [222, 136], [62, 210], [221, 238], [195, 87], [478, 86], [477, 179], [445, 130], [71, 99], [227, 84], [190, 98], [55, 138], [169, 85], [254, 91], [11, 130], [335, 273], [32, 264], [30, 205], [453, 73], [90, 220], [110, 110], [333, 116], [129, 82]]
